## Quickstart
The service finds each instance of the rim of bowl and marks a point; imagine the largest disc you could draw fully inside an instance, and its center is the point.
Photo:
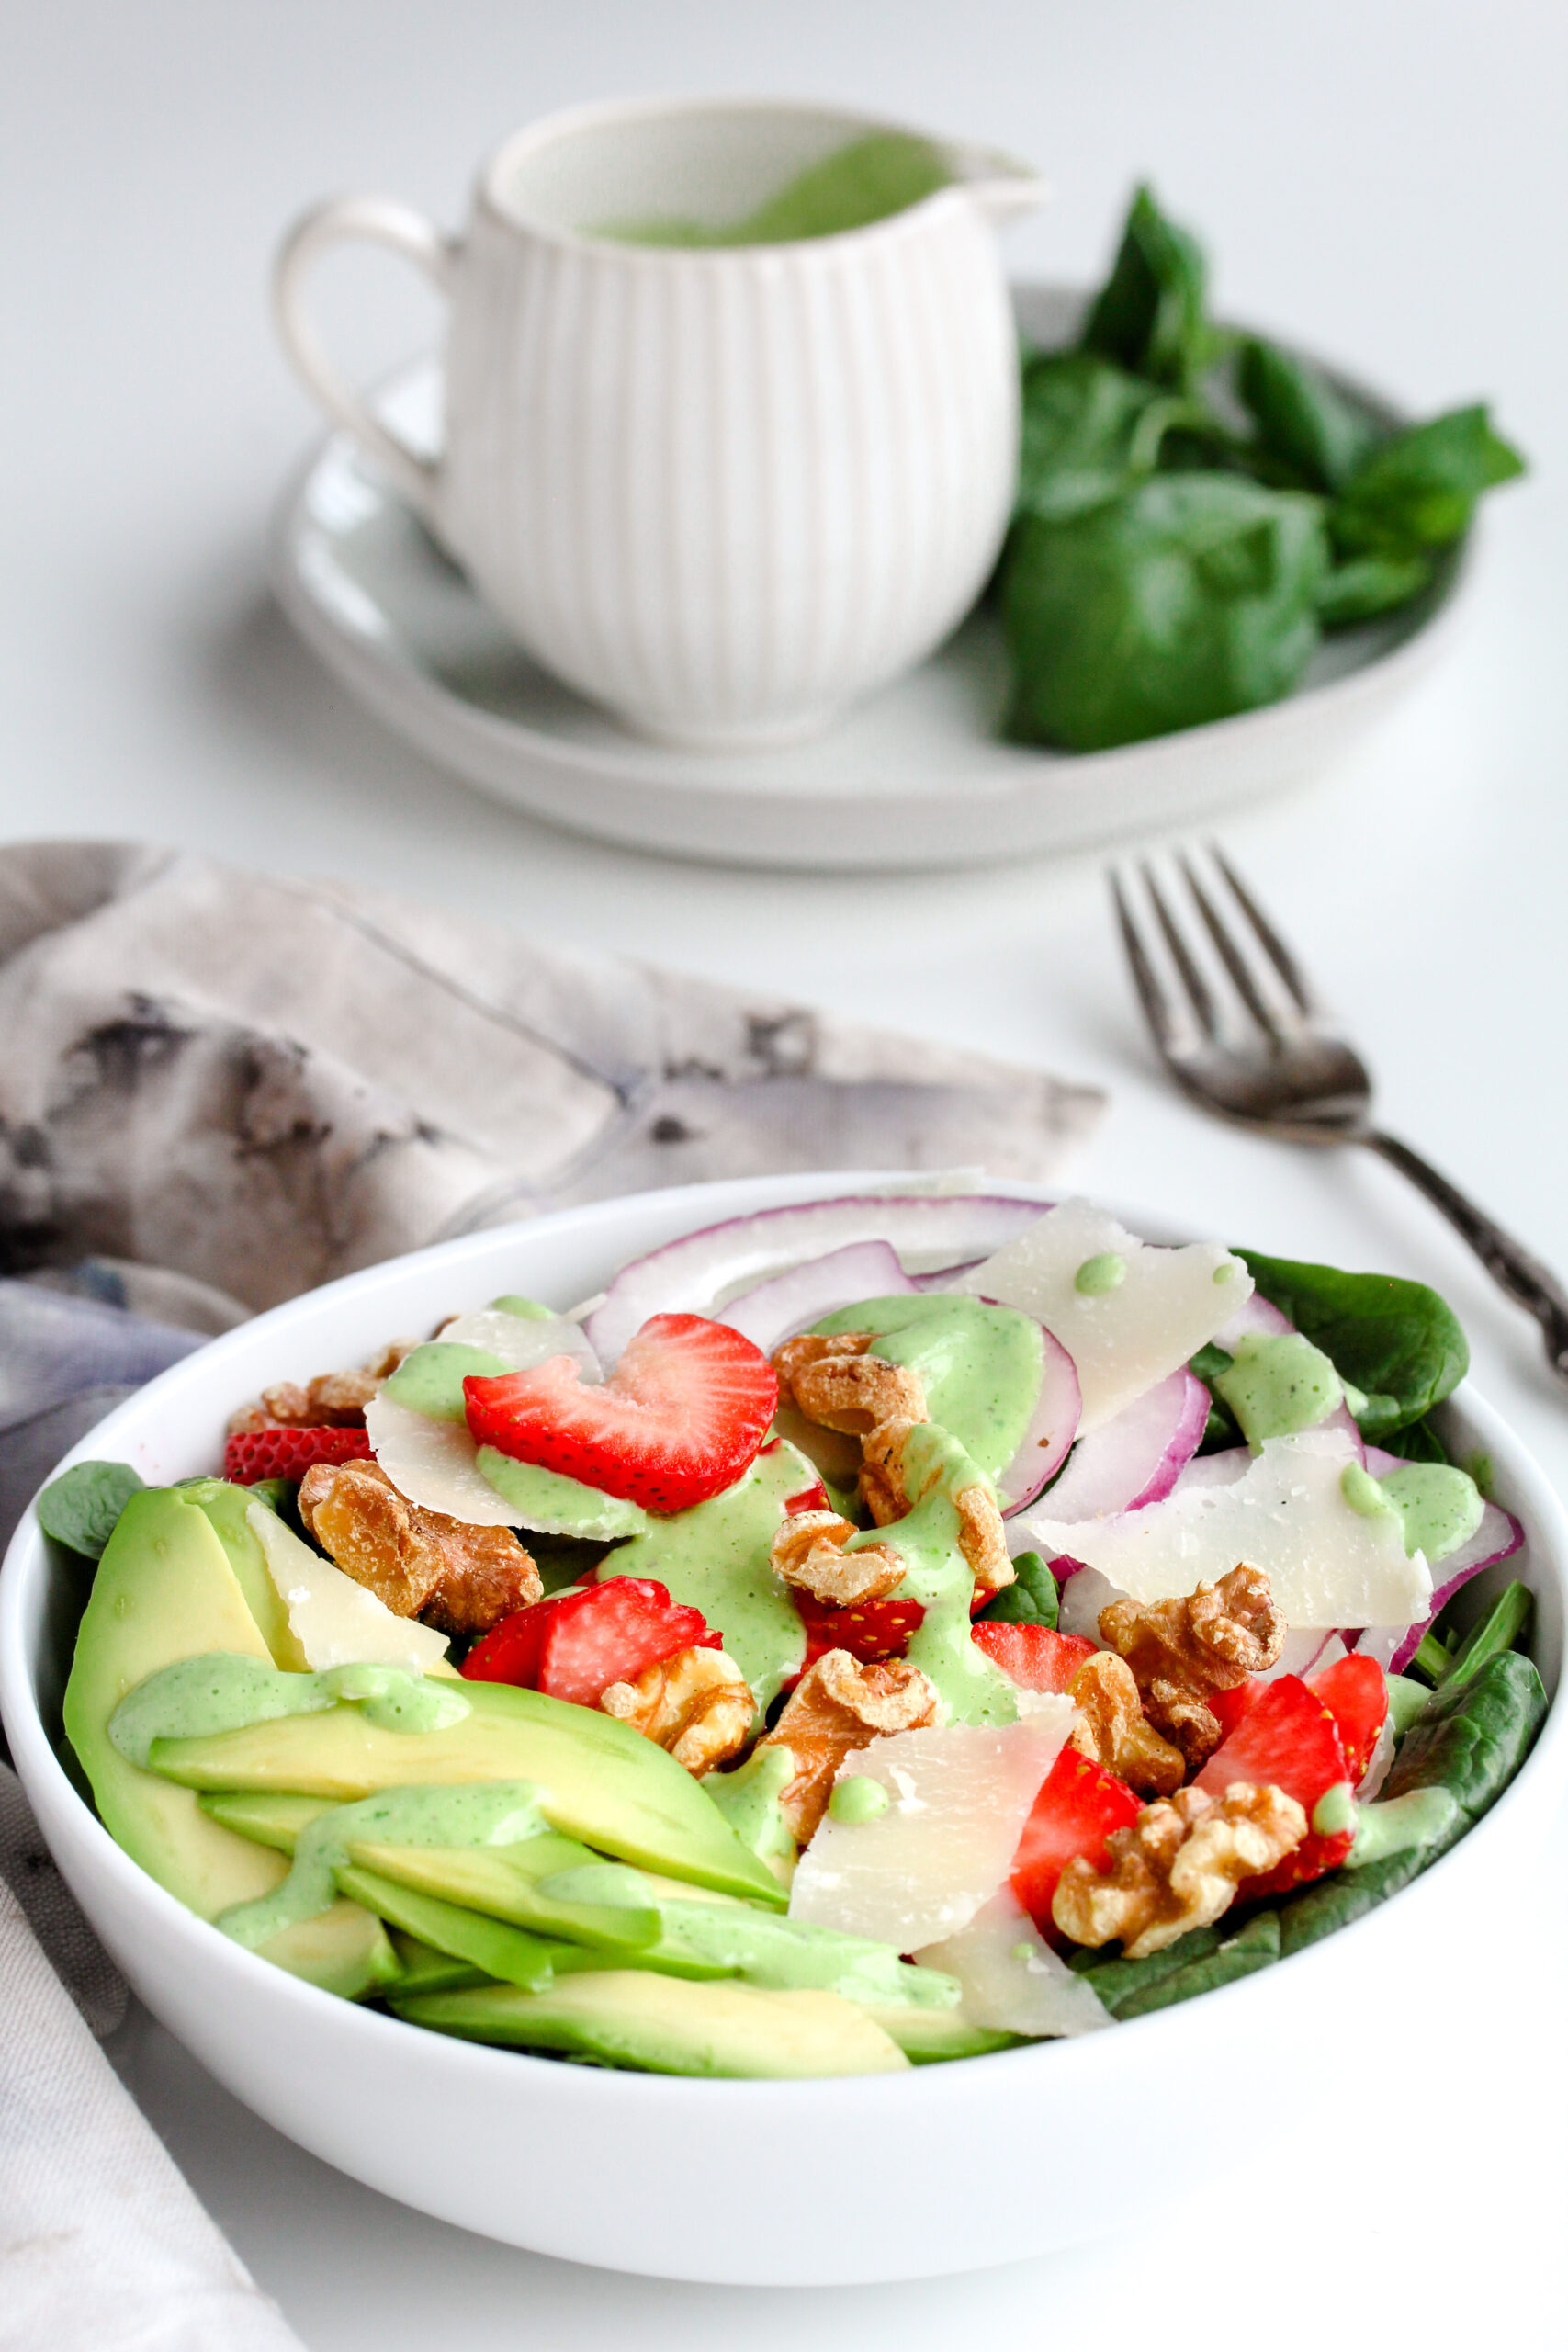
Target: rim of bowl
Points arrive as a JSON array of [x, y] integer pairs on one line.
[[27, 1560]]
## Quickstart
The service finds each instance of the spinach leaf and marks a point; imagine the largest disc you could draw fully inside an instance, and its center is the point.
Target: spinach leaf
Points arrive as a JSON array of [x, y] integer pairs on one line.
[[1419, 1442], [1300, 418], [1029, 1599], [1148, 316], [1119, 1981], [80, 1508], [1418, 490], [1187, 598], [1370, 584], [1088, 429], [1502, 1628], [1333, 1902], [1397, 1341], [1250, 1947], [1474, 1733]]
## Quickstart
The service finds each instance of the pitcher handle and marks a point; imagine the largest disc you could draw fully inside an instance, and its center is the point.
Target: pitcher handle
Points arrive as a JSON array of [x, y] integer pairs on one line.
[[384, 222]]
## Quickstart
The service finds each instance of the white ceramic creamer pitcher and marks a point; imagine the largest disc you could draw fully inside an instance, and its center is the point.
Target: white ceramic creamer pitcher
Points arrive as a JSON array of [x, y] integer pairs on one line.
[[725, 490]]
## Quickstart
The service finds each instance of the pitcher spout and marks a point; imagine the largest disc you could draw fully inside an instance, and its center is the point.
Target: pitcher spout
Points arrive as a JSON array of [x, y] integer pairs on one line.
[[1000, 185]]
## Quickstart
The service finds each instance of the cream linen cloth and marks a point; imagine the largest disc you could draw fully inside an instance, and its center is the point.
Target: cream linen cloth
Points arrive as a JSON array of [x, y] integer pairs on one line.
[[218, 1089]]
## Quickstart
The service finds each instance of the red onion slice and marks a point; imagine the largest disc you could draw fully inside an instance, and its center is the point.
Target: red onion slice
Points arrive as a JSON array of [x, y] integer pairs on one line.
[[1499, 1536], [696, 1274], [946, 1277], [1136, 1457], [1053, 1425], [777, 1309]]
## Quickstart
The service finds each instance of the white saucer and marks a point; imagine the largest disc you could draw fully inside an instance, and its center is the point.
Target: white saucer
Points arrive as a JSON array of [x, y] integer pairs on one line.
[[916, 776]]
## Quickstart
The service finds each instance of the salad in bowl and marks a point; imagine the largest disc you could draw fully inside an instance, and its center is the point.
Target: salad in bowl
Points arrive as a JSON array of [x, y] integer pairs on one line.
[[889, 1634]]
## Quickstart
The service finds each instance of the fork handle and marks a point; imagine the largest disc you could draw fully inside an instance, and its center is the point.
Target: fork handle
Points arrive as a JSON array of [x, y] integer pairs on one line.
[[1509, 1264]]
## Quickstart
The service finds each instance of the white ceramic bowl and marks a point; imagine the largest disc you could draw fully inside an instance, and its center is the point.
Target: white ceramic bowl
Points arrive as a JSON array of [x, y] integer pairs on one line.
[[944, 2168]]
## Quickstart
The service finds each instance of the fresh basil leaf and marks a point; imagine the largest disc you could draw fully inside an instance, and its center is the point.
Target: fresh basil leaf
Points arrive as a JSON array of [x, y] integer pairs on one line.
[[81, 1507], [1209, 1362], [1419, 1442], [1029, 1599], [1149, 316], [1300, 418], [1418, 490], [1343, 1895], [1187, 598], [1369, 585], [1397, 1341], [1089, 430], [1504, 1627]]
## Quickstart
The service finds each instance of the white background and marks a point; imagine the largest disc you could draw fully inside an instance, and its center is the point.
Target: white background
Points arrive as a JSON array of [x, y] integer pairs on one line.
[[1384, 181]]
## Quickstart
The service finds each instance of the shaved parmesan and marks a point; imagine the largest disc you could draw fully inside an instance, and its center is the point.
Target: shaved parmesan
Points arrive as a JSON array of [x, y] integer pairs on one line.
[[523, 1342], [332, 1619], [435, 1463], [1328, 1564], [920, 1870], [1162, 1306], [1012, 1979]]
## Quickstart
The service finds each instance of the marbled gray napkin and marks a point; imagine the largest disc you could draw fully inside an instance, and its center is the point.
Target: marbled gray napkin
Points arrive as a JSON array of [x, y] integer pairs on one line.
[[218, 1089]]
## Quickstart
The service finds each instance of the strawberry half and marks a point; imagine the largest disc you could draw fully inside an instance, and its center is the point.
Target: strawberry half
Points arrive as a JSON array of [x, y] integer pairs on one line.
[[1287, 1739], [870, 1630], [681, 1417], [574, 1646], [1355, 1690], [1079, 1805], [1033, 1656], [288, 1454]]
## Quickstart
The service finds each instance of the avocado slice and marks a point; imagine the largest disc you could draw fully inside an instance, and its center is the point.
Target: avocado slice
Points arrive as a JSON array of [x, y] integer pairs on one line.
[[928, 2035], [425, 1970], [605, 1783], [225, 1505], [667, 2026], [164, 1591], [404, 1876]]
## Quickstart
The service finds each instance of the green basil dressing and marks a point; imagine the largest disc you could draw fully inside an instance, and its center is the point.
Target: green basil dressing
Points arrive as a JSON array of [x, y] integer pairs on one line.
[[1277, 1384], [1105, 1271], [748, 1799], [197, 1698], [857, 1798], [717, 1557], [1423, 1817], [980, 1365], [1440, 1506], [475, 1813], [936, 1468]]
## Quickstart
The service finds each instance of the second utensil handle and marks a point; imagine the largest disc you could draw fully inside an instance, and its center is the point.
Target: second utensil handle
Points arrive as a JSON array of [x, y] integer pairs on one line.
[[1507, 1261]]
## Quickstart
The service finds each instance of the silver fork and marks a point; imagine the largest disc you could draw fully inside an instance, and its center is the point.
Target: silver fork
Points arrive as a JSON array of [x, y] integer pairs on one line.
[[1273, 1059]]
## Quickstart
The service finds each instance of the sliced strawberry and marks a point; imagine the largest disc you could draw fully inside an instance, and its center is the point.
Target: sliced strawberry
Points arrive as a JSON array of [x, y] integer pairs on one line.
[[809, 1498], [1228, 1707], [1079, 1805], [683, 1415], [1287, 1739], [870, 1630], [1356, 1690], [575, 1645], [1033, 1656], [288, 1454]]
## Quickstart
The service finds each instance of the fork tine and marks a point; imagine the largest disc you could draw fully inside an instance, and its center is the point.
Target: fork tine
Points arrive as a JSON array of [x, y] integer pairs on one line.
[[1151, 995], [1279, 955], [1197, 987], [1234, 962]]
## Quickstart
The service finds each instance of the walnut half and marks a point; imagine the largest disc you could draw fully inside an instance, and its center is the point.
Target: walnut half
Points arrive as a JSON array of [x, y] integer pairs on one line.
[[1176, 1866], [697, 1705], [1182, 1650], [837, 1706], [838, 1383], [421, 1564], [809, 1553], [1113, 1731], [333, 1400]]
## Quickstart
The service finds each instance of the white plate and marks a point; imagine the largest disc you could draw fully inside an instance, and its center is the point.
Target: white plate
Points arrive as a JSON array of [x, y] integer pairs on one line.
[[916, 776], [946, 2169]]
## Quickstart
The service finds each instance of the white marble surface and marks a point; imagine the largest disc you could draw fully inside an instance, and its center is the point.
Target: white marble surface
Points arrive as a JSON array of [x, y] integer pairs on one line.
[[1382, 180]]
